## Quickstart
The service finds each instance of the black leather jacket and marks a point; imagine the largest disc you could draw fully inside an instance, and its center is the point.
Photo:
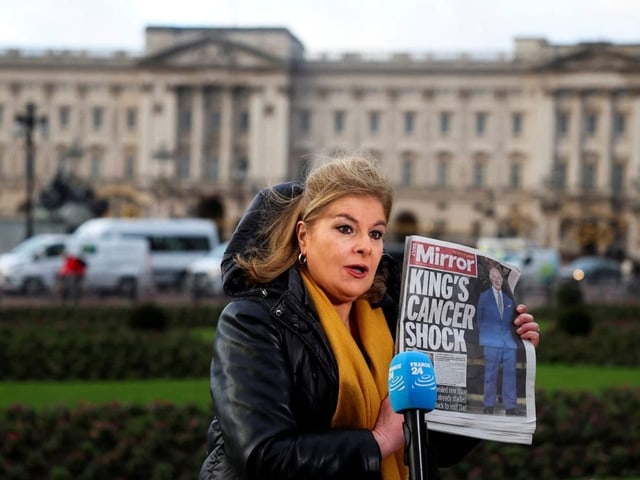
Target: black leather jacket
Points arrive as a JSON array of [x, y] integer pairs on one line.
[[274, 382]]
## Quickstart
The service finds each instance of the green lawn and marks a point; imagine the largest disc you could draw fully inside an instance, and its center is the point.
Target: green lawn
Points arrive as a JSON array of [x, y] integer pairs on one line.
[[587, 377], [39, 394]]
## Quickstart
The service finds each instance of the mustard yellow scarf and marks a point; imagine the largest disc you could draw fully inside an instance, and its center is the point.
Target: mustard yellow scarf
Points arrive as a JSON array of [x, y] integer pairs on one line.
[[362, 385]]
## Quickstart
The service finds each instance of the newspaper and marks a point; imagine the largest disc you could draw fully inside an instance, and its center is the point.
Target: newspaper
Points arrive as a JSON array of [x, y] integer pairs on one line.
[[457, 305]]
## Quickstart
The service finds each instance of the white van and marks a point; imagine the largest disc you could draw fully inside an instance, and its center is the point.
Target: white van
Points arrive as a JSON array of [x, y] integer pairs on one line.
[[120, 266], [32, 265], [173, 242]]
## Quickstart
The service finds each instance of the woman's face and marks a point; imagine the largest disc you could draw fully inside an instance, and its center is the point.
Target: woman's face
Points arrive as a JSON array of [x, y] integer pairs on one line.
[[344, 246]]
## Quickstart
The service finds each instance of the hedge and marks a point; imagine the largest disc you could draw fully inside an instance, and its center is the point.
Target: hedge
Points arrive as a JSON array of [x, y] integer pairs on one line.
[[102, 343], [84, 315], [613, 338], [100, 352], [93, 442], [578, 435]]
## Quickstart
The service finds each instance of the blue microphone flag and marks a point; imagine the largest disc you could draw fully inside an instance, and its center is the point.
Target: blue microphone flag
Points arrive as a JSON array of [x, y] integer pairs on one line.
[[412, 382]]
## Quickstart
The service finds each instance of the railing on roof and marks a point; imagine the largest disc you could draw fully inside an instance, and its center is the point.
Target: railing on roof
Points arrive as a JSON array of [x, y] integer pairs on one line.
[[409, 57], [16, 54]]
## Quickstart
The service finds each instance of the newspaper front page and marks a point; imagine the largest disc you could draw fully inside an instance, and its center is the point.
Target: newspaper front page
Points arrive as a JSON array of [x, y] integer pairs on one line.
[[457, 305]]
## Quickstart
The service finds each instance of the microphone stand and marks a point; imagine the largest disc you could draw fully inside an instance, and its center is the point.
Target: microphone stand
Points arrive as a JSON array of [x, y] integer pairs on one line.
[[416, 444]]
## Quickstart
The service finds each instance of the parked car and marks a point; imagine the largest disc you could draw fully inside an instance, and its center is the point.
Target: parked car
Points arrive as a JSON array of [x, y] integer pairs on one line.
[[592, 270], [30, 268], [204, 275], [539, 268]]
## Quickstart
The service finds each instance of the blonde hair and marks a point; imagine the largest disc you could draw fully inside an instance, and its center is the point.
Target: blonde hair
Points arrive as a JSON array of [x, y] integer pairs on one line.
[[328, 182]]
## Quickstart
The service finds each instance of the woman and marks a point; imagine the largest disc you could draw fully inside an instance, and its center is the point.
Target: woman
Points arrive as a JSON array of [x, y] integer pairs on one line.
[[301, 354]]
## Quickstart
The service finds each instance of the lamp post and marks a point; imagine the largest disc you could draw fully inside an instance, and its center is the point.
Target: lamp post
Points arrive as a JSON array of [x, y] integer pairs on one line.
[[28, 121]]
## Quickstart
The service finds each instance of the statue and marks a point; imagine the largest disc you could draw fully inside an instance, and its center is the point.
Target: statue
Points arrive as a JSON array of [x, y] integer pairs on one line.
[[69, 200]]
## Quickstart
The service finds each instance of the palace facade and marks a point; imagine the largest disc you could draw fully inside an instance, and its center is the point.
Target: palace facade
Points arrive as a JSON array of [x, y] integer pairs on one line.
[[541, 143]]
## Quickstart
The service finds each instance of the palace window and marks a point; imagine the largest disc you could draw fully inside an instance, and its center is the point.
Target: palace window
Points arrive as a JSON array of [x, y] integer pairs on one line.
[[516, 124], [408, 170], [562, 123], [591, 123], [132, 119], [214, 122], [409, 121], [96, 166], [374, 122], [619, 124], [559, 174], [479, 173], [98, 117], [617, 176], [515, 175], [589, 172], [184, 166], [64, 117], [305, 121], [443, 172], [481, 123], [211, 167], [445, 123], [129, 167], [185, 121], [241, 169], [244, 121], [338, 121]]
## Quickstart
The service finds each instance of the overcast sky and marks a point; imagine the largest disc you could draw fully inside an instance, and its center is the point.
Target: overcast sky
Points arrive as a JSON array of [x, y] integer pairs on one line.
[[324, 25]]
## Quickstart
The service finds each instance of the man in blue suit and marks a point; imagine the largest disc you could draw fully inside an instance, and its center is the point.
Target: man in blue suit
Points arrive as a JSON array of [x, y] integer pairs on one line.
[[495, 312]]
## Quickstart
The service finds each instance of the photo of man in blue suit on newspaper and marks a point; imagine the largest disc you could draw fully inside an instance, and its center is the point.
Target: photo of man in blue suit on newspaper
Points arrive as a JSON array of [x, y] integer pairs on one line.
[[495, 313]]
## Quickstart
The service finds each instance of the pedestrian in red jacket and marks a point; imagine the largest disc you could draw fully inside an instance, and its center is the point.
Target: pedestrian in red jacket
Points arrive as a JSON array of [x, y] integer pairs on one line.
[[71, 276]]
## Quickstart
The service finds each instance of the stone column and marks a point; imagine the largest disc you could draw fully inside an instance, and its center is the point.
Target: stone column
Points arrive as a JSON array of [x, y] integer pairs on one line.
[[259, 155], [574, 166], [633, 235], [270, 144], [147, 136], [168, 127], [541, 140], [113, 159], [82, 120], [497, 131], [226, 131], [605, 143], [462, 133], [281, 122], [427, 153], [197, 133], [634, 136]]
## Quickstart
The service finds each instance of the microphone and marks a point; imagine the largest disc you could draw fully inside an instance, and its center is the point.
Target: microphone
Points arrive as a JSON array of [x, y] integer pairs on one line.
[[413, 391]]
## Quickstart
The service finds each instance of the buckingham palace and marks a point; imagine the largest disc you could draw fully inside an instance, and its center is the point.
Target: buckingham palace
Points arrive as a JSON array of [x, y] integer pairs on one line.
[[542, 142]]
